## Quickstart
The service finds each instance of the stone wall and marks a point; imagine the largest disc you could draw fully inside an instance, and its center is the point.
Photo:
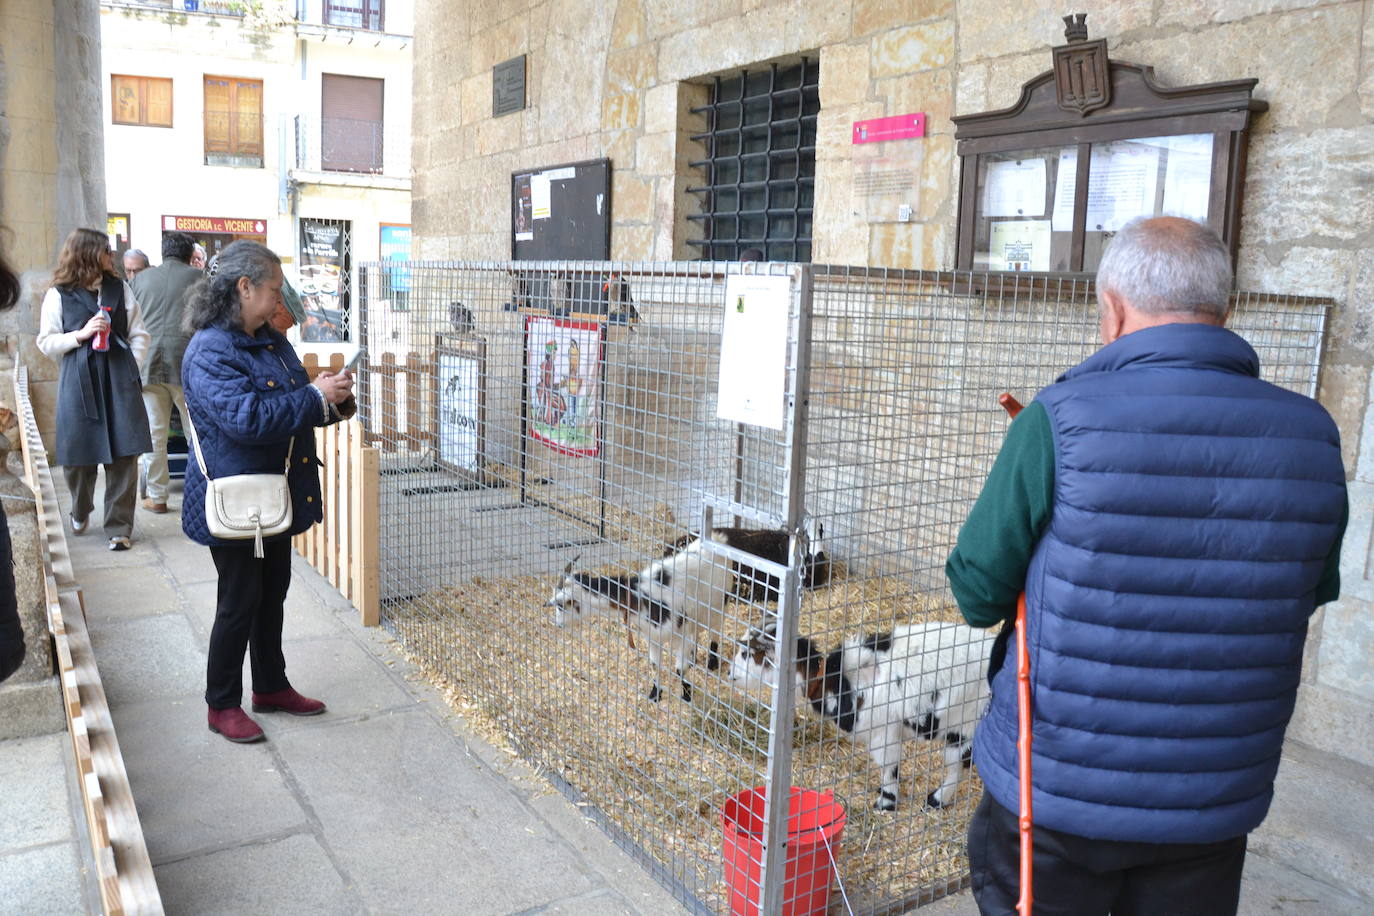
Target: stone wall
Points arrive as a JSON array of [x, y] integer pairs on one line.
[[618, 80], [52, 152]]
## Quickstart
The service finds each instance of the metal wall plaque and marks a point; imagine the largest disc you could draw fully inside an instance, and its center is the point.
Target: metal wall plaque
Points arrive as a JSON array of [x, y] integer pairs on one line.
[[508, 86]]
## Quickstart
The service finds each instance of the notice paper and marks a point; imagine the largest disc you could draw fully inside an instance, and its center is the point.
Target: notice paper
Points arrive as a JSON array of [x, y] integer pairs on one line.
[[1188, 176], [753, 350], [1123, 178], [540, 196], [1022, 244], [1015, 187]]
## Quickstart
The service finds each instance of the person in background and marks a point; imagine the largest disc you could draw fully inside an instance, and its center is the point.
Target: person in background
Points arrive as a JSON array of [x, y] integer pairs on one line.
[[100, 418], [197, 255], [1174, 522], [134, 261], [250, 405], [11, 627], [161, 293]]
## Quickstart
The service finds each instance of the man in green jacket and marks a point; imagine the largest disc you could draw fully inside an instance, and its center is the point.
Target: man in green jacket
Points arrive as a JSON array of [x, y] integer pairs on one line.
[[161, 293]]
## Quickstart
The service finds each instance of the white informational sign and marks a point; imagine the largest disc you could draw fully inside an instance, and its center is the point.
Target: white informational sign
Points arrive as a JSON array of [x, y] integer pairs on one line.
[[1015, 187], [887, 181], [540, 197], [1022, 244], [753, 350], [460, 405]]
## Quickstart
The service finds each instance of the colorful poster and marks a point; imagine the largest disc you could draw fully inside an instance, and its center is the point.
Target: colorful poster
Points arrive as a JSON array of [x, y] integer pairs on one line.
[[324, 276], [563, 380], [524, 211], [1019, 245], [395, 246]]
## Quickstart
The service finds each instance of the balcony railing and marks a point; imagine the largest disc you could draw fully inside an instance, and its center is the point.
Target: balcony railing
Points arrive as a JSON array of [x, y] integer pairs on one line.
[[350, 145], [218, 7]]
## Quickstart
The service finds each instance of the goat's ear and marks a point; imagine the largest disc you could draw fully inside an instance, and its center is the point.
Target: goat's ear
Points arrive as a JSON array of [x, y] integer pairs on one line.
[[567, 570], [815, 682]]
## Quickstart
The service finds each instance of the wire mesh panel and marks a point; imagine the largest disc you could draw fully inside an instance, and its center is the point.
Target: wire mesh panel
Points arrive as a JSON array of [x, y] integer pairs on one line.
[[551, 453]]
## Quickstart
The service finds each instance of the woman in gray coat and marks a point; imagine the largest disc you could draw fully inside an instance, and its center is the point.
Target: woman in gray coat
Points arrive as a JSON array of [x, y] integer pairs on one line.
[[100, 416]]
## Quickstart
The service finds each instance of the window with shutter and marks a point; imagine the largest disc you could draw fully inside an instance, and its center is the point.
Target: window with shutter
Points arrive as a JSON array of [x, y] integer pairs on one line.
[[350, 123], [354, 14], [233, 121], [141, 101]]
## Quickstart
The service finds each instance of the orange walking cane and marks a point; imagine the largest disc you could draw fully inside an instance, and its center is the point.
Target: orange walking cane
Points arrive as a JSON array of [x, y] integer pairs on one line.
[[1026, 820]]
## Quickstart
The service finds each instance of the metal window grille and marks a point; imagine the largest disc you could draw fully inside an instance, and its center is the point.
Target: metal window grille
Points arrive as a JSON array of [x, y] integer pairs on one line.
[[761, 163], [503, 460]]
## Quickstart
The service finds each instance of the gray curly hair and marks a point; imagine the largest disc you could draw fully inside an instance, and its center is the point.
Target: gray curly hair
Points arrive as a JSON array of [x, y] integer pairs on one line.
[[214, 302]]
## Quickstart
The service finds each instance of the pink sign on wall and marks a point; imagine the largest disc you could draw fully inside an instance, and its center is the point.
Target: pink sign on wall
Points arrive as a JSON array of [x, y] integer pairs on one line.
[[897, 127]]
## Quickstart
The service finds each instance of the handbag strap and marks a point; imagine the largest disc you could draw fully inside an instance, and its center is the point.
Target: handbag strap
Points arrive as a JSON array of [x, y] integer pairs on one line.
[[200, 459]]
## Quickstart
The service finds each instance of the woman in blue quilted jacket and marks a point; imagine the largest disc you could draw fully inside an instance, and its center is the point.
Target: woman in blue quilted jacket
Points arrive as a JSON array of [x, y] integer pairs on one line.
[[251, 405]]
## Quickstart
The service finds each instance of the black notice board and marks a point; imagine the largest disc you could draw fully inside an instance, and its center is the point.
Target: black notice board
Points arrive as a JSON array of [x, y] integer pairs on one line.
[[578, 224]]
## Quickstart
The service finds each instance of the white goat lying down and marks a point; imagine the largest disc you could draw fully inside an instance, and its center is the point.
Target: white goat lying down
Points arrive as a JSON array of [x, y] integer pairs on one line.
[[926, 680], [669, 602]]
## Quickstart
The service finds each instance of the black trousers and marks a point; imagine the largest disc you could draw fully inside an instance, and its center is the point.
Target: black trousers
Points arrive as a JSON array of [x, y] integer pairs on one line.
[[1077, 876], [248, 616]]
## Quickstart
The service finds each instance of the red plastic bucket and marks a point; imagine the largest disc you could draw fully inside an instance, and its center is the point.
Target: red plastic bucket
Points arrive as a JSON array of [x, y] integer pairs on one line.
[[814, 821]]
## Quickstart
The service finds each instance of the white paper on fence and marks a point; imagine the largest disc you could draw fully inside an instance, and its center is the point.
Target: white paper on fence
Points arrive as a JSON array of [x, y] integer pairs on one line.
[[1188, 176], [1021, 244], [1015, 187], [540, 198], [753, 350], [459, 403]]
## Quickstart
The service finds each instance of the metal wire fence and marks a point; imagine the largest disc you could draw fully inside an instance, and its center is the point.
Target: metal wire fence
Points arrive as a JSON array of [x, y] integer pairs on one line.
[[549, 436]]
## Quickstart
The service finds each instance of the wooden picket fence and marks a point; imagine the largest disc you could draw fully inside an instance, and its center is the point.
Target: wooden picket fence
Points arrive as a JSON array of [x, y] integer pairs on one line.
[[345, 548], [403, 396], [124, 873]]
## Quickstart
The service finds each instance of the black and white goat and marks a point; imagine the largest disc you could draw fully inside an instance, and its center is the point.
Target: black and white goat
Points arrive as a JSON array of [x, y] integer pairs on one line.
[[668, 602], [926, 680], [768, 544]]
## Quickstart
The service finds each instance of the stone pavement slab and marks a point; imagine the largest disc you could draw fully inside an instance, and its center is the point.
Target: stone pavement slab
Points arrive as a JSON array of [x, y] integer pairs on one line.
[[388, 796], [291, 876], [147, 658], [33, 792], [42, 881], [191, 795]]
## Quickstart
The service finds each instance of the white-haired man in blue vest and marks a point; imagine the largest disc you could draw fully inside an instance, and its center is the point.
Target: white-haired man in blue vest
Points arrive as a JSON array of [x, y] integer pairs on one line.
[[1174, 521]]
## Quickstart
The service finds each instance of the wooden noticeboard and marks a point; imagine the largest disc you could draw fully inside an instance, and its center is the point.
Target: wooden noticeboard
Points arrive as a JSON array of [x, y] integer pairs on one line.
[[562, 213]]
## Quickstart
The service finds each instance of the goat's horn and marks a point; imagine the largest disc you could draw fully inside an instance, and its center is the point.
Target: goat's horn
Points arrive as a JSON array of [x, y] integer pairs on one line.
[[567, 570]]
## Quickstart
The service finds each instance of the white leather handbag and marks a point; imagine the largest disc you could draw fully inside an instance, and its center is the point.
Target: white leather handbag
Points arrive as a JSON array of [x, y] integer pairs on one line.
[[245, 506]]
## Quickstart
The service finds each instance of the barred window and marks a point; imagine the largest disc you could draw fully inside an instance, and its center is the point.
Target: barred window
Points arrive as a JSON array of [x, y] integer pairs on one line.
[[760, 168]]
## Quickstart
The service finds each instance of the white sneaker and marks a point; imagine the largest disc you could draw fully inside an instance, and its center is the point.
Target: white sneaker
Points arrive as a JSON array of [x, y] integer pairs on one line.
[[79, 527], [120, 543]]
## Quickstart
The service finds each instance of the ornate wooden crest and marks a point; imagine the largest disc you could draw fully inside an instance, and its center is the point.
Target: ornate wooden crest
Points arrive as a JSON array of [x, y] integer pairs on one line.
[[1081, 74]]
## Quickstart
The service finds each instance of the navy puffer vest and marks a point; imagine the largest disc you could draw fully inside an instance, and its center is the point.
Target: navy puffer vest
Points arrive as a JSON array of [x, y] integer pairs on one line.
[[1168, 599]]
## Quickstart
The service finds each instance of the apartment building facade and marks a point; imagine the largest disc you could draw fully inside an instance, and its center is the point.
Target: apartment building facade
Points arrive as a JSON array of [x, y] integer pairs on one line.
[[251, 119]]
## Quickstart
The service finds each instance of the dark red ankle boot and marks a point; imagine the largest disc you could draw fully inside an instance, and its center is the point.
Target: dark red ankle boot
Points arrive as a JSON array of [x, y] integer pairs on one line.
[[287, 700], [235, 725]]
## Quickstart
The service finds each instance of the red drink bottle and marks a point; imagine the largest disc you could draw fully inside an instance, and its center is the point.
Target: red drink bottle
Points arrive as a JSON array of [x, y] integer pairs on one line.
[[101, 341]]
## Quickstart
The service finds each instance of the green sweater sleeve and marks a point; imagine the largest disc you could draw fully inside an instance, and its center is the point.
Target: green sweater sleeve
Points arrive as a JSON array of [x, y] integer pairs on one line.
[[987, 570]]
